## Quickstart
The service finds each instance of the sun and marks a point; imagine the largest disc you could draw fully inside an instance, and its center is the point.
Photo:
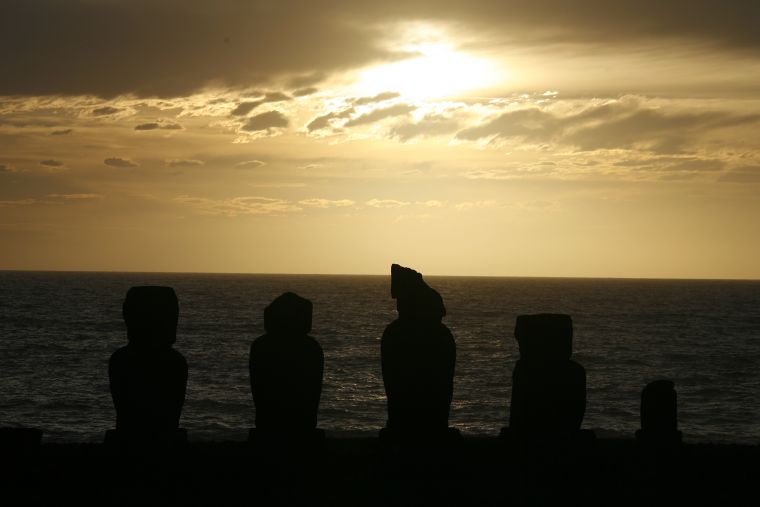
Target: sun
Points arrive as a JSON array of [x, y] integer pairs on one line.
[[436, 71]]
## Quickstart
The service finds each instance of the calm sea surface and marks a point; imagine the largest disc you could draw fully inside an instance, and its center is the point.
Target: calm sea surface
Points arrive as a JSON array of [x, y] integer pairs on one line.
[[57, 331]]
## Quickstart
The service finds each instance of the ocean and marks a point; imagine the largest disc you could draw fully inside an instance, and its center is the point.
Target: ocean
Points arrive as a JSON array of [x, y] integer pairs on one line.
[[57, 331]]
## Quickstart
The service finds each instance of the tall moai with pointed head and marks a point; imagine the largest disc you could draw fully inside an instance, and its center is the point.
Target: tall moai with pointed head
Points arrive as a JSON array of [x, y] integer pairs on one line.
[[148, 377], [548, 388], [418, 354]]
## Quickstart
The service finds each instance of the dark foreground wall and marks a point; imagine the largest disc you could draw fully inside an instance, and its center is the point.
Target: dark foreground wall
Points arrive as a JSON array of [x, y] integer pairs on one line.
[[479, 471]]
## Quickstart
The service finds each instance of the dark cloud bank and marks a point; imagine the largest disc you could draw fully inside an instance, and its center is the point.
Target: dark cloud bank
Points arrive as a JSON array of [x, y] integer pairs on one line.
[[176, 47]]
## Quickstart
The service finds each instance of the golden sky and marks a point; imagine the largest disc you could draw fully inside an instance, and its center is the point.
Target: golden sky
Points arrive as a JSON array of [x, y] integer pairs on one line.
[[480, 137]]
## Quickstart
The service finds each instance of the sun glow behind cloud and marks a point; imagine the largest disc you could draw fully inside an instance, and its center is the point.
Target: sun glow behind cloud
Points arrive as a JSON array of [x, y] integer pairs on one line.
[[436, 70]]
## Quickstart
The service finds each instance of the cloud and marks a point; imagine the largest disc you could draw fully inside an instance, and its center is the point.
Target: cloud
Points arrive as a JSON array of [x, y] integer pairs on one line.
[[325, 120], [50, 199], [63, 132], [325, 203], [148, 126], [302, 92], [491, 174], [239, 44], [76, 197], [540, 168], [237, 206], [531, 124], [306, 81], [51, 163], [623, 23], [381, 114], [386, 203], [226, 43], [250, 164], [535, 205], [265, 121], [183, 163], [638, 162], [17, 202], [120, 162], [377, 98], [244, 108], [469, 205], [657, 130], [7, 109], [673, 164], [278, 184], [627, 123], [159, 126], [430, 125], [631, 168], [105, 111], [432, 203]]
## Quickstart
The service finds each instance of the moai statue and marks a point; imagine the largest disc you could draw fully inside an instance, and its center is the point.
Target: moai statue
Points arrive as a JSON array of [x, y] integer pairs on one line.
[[286, 368], [148, 377], [548, 388], [418, 354], [659, 414]]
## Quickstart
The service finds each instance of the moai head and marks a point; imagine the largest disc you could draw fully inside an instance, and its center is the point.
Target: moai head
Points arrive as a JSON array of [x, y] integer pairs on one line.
[[544, 336], [415, 299], [288, 314], [151, 315]]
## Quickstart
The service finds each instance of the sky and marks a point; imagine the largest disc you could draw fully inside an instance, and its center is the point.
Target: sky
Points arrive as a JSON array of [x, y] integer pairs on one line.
[[481, 137]]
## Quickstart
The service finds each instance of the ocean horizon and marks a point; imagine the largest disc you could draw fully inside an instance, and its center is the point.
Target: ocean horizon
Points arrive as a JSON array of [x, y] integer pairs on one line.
[[58, 329], [277, 273]]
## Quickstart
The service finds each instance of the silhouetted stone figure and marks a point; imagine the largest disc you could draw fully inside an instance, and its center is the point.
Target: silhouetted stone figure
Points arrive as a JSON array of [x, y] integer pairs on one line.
[[418, 355], [548, 388], [659, 414], [286, 367], [148, 377]]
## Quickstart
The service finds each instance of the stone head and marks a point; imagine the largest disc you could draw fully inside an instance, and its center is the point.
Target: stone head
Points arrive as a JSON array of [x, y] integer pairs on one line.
[[288, 314], [151, 315]]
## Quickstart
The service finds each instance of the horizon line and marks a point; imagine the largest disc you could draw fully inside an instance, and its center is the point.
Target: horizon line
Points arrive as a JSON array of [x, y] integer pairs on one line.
[[569, 277]]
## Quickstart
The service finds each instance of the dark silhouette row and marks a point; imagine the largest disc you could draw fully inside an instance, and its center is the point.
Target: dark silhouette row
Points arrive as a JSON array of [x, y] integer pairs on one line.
[[418, 353]]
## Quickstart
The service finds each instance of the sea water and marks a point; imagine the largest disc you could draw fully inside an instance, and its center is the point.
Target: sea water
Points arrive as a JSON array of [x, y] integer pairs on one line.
[[57, 331]]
